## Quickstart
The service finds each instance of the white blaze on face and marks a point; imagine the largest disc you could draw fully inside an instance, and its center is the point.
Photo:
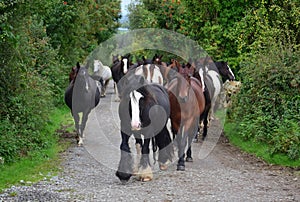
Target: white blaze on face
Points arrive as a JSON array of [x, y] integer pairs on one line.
[[125, 68], [135, 109], [231, 72]]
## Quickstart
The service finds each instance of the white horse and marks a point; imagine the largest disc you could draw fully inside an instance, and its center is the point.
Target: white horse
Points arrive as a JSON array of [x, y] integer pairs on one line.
[[104, 72]]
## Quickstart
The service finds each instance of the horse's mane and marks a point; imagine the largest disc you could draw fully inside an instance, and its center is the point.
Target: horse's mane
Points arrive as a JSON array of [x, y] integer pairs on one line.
[[148, 93]]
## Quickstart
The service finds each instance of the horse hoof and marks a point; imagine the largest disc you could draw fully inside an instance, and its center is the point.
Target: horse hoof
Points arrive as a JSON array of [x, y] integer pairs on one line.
[[180, 168], [146, 179], [189, 159], [163, 167]]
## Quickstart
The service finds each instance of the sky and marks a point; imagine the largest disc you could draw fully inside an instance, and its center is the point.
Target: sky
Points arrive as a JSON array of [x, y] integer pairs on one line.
[[124, 3]]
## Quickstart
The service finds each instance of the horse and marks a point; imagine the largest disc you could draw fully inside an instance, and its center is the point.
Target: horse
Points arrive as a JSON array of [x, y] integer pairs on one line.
[[212, 80], [82, 95], [104, 73], [144, 110], [119, 68], [225, 71], [187, 103], [73, 73]]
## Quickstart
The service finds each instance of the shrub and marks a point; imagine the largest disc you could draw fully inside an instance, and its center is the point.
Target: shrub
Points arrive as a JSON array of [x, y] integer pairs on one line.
[[267, 107]]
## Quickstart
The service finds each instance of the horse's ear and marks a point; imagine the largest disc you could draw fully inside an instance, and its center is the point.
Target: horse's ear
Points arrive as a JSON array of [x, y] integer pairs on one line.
[[78, 65], [143, 58], [161, 56]]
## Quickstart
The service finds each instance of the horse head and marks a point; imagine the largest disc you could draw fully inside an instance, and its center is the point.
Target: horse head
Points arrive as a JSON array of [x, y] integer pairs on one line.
[[125, 63], [175, 65], [96, 65], [183, 87], [225, 70], [146, 61], [115, 59], [157, 59]]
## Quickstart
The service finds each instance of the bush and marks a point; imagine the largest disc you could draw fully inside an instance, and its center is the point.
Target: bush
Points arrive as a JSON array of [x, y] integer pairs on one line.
[[267, 107]]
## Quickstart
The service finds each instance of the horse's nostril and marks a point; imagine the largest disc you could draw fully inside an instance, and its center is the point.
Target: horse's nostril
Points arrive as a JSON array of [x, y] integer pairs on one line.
[[136, 126]]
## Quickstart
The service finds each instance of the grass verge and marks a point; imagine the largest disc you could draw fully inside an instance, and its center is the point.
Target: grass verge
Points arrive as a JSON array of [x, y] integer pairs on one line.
[[41, 164], [258, 149]]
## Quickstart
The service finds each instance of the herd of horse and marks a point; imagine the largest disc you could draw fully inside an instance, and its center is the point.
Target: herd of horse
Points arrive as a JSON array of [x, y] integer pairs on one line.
[[151, 92]]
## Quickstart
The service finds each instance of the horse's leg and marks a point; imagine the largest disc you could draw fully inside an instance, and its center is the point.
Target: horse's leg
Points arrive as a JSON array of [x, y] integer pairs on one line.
[[82, 126], [117, 92], [124, 171], [102, 87], [105, 87], [181, 141], [145, 173], [205, 123], [138, 146], [163, 141], [76, 120], [191, 135]]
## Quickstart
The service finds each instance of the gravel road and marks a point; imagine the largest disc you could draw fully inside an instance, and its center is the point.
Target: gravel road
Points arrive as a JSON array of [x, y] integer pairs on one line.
[[226, 174]]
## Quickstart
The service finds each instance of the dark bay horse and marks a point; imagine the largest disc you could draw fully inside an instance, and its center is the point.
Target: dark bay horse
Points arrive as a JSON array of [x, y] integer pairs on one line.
[[187, 103], [82, 95], [118, 69], [144, 110]]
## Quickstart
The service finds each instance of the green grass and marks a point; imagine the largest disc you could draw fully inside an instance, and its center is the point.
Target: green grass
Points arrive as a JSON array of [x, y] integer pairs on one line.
[[39, 164], [258, 149]]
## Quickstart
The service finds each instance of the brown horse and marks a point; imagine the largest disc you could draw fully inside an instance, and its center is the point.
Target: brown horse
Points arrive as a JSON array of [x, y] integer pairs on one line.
[[187, 104]]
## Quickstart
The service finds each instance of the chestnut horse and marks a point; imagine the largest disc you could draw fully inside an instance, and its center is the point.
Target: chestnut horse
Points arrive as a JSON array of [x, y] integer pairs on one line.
[[187, 102]]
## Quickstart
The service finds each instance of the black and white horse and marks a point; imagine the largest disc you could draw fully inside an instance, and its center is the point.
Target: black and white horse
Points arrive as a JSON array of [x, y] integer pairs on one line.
[[82, 95], [144, 111], [212, 75], [225, 71], [119, 68]]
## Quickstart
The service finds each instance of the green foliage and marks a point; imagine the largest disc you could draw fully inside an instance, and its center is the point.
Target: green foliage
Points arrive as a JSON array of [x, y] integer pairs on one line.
[[75, 27], [40, 163], [267, 107], [40, 41]]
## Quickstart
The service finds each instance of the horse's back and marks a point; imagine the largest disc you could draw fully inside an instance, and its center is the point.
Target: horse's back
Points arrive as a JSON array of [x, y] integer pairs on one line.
[[107, 74], [80, 100]]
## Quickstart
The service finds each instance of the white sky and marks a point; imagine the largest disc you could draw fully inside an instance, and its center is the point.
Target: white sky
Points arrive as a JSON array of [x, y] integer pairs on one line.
[[124, 3]]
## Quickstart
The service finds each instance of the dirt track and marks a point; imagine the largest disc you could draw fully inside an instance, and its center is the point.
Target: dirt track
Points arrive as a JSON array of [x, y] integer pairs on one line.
[[226, 174]]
